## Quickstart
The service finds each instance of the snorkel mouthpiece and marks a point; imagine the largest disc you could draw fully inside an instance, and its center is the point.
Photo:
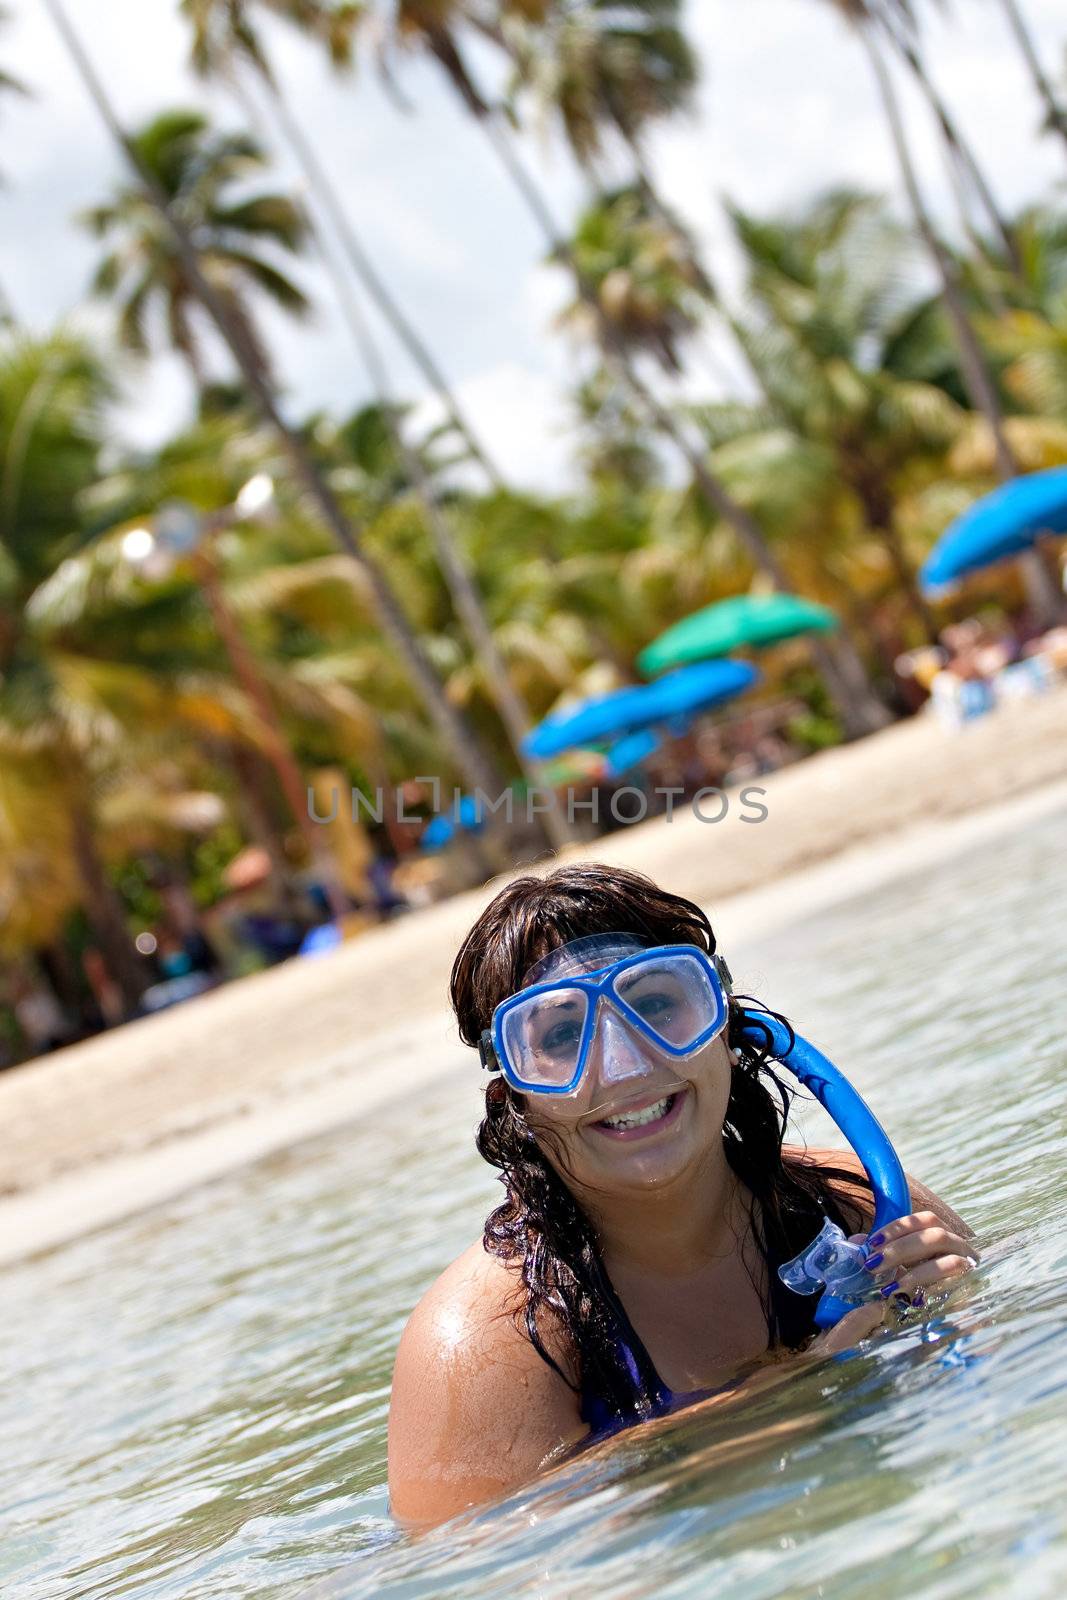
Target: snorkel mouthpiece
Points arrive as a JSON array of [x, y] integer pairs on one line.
[[830, 1262]]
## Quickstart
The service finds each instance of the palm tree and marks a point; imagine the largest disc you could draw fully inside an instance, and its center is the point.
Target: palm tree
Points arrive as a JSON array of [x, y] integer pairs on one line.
[[202, 174], [833, 341], [1055, 115], [650, 290], [865, 17], [602, 66], [66, 707], [295, 610], [457, 736], [432, 26], [1033, 333], [220, 32], [223, 38], [614, 451], [598, 66], [899, 27]]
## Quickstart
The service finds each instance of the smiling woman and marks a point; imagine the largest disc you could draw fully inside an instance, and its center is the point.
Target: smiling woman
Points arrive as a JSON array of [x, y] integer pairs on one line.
[[638, 1128]]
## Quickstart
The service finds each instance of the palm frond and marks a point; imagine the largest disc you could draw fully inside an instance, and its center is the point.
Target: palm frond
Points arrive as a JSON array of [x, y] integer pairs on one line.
[[265, 216], [279, 288], [322, 590]]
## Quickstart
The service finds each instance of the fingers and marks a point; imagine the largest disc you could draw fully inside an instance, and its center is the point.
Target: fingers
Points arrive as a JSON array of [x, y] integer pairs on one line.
[[909, 1240], [857, 1325], [914, 1222], [920, 1244], [941, 1269], [914, 1253]]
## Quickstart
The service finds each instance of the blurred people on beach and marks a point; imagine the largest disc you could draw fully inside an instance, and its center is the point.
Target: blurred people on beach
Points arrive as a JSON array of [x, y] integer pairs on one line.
[[41, 1019]]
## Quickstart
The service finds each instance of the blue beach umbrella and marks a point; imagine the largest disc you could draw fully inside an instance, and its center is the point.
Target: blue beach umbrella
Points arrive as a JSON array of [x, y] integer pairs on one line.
[[629, 751], [327, 936], [441, 830], [679, 694], [1004, 523]]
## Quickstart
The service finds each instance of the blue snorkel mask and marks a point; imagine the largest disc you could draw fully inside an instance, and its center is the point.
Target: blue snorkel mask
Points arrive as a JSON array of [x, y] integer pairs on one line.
[[676, 997]]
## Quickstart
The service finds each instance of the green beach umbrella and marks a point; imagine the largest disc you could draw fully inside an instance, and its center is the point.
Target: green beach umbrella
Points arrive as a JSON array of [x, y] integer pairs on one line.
[[747, 620]]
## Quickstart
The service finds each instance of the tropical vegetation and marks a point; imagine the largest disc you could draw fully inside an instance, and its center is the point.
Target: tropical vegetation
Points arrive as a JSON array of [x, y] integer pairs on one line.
[[401, 608]]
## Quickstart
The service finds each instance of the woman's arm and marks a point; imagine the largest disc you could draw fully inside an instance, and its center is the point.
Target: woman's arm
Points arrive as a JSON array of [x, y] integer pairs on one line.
[[475, 1410]]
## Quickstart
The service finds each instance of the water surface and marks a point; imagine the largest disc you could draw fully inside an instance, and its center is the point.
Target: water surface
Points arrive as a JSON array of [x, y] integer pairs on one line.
[[193, 1402]]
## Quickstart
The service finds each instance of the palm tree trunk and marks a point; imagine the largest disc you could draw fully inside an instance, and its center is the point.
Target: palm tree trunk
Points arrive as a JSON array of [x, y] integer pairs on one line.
[[659, 208], [279, 753], [102, 905], [906, 577], [976, 375], [1054, 112], [255, 790], [881, 524], [860, 711], [959, 150], [467, 601], [872, 491], [478, 769], [58, 967], [361, 264], [1041, 592]]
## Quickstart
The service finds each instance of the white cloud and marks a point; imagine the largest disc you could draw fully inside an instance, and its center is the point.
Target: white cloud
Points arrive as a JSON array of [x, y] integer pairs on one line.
[[515, 411]]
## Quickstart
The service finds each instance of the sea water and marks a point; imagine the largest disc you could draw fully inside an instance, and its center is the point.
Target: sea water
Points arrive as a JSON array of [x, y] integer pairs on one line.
[[193, 1403]]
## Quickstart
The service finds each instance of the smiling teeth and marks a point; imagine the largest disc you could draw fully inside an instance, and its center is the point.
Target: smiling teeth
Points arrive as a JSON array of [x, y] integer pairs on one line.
[[637, 1119]]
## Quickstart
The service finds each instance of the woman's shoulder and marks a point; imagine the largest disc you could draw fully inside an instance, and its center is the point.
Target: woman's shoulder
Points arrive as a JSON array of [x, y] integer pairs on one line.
[[475, 1409], [483, 1295], [477, 1269]]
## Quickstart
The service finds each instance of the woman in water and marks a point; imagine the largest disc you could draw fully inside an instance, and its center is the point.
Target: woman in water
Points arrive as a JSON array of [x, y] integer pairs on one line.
[[650, 1199]]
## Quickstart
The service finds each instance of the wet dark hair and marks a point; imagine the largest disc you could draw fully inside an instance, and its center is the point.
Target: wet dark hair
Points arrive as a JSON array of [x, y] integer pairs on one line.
[[541, 1225]]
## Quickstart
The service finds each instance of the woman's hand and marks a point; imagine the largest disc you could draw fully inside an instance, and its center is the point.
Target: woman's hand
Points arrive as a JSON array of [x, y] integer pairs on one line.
[[853, 1327], [907, 1259], [915, 1254]]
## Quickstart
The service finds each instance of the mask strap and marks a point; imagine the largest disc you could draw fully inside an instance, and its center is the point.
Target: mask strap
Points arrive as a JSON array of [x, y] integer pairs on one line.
[[487, 1052]]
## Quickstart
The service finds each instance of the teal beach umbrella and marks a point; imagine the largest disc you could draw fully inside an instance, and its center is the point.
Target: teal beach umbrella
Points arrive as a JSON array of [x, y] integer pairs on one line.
[[745, 621]]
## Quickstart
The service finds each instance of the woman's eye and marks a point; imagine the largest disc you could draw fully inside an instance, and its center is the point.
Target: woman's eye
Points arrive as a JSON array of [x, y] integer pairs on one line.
[[564, 1036], [653, 1005]]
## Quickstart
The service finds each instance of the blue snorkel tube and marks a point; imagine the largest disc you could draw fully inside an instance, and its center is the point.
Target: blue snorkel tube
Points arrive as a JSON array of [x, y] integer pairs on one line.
[[830, 1263]]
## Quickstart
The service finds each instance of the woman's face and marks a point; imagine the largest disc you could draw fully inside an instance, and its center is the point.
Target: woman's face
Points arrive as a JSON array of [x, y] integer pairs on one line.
[[639, 1119]]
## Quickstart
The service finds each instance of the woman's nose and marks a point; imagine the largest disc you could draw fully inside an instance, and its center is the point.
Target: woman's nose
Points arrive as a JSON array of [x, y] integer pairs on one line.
[[617, 1051]]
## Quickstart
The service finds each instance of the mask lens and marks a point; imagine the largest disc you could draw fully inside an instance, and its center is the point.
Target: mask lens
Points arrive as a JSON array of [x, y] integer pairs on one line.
[[542, 1037], [673, 996]]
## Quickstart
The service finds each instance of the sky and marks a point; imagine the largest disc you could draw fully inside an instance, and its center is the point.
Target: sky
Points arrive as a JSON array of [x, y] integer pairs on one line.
[[785, 109]]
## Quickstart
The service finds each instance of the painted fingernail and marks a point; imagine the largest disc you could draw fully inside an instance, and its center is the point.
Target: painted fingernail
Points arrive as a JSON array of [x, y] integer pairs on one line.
[[872, 1263], [889, 1288], [918, 1299], [876, 1239]]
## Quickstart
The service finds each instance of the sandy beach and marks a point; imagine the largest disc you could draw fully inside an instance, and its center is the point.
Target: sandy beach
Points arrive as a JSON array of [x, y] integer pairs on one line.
[[129, 1118]]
